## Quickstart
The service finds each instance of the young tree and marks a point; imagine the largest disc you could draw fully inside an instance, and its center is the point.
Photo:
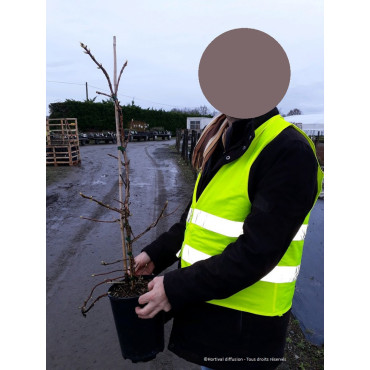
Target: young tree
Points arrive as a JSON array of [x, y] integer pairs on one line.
[[127, 236]]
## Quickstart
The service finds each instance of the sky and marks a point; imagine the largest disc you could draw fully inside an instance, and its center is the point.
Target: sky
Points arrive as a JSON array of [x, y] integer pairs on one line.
[[163, 42]]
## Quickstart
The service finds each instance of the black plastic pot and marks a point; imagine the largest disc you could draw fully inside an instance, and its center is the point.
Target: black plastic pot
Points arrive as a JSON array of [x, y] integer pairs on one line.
[[140, 339]]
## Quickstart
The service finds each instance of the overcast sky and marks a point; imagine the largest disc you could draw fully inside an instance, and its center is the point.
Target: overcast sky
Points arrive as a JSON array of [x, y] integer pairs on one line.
[[163, 42]]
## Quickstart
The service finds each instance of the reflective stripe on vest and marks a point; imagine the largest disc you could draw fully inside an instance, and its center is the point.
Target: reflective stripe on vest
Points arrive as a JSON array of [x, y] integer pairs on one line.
[[227, 227], [280, 274], [214, 223]]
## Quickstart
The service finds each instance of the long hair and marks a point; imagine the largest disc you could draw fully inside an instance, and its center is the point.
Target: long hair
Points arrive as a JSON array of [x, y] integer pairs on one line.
[[208, 141]]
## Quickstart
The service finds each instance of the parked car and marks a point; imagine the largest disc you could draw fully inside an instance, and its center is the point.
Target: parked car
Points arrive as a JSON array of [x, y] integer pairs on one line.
[[141, 135], [164, 135], [83, 139]]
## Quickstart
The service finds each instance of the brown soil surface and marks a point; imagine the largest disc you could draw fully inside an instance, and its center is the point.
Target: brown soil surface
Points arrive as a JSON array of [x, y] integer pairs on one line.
[[124, 289]]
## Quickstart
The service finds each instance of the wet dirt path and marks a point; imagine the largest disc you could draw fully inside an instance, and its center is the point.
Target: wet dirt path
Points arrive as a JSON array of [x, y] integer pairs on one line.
[[75, 248]]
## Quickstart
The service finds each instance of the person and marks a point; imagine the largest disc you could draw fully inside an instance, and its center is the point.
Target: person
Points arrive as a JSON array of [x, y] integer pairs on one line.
[[239, 244]]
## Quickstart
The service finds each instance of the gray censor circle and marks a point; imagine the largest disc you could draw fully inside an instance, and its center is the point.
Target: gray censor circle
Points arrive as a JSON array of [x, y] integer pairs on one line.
[[244, 73]]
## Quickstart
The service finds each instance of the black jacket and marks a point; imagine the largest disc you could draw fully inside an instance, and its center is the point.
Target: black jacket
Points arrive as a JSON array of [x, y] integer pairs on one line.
[[282, 188]]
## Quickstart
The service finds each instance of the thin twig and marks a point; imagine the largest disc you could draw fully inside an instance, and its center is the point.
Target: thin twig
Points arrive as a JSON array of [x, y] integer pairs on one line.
[[154, 224], [95, 220], [101, 203], [113, 156], [119, 201], [110, 263], [101, 93], [120, 74], [124, 182], [83, 308], [100, 66]]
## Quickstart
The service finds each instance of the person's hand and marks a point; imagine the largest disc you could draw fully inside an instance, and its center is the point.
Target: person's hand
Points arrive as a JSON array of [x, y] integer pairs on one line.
[[143, 264], [156, 300]]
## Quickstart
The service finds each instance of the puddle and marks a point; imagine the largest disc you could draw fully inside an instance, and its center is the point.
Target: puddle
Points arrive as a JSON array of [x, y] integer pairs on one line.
[[98, 182]]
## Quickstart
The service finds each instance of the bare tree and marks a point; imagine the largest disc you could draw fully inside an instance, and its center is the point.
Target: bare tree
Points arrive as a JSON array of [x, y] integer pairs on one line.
[[294, 112], [203, 110], [122, 209], [199, 111]]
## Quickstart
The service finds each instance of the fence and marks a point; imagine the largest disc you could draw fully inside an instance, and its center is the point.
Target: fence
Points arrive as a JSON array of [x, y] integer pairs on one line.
[[185, 143]]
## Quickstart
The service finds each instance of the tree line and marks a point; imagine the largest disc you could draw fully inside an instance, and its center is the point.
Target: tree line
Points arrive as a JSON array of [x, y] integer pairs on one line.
[[99, 116]]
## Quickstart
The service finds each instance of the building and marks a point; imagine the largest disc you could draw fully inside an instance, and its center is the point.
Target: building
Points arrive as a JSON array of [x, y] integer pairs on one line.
[[311, 124], [197, 123]]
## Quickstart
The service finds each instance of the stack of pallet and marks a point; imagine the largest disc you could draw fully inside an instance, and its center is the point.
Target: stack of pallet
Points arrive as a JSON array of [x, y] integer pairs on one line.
[[62, 142]]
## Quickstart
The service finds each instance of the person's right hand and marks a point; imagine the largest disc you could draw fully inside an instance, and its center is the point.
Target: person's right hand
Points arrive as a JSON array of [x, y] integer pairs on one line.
[[143, 264]]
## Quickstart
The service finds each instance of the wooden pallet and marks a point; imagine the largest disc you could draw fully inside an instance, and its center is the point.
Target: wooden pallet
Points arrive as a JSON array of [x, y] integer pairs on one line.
[[62, 143]]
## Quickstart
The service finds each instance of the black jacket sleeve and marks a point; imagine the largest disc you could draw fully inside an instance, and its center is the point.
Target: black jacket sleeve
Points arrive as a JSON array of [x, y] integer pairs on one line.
[[163, 250], [282, 189]]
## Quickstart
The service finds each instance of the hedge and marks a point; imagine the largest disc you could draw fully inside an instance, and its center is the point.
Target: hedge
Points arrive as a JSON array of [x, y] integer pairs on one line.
[[92, 116]]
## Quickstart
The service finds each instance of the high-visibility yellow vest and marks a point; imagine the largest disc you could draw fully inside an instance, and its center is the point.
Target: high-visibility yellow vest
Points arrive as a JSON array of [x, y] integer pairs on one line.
[[216, 219]]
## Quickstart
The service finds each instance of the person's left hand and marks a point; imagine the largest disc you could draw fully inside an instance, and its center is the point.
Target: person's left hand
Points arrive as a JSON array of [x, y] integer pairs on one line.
[[156, 300], [143, 264]]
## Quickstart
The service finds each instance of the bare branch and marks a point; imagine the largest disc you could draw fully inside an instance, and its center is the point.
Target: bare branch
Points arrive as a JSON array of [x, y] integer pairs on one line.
[[95, 220], [84, 310], [113, 156], [100, 66], [101, 203], [123, 180], [110, 263], [169, 214], [120, 74], [154, 224], [101, 93], [119, 201]]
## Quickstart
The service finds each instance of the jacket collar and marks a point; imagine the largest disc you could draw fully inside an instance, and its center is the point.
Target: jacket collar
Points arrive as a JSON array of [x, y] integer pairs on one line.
[[241, 132], [238, 138]]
